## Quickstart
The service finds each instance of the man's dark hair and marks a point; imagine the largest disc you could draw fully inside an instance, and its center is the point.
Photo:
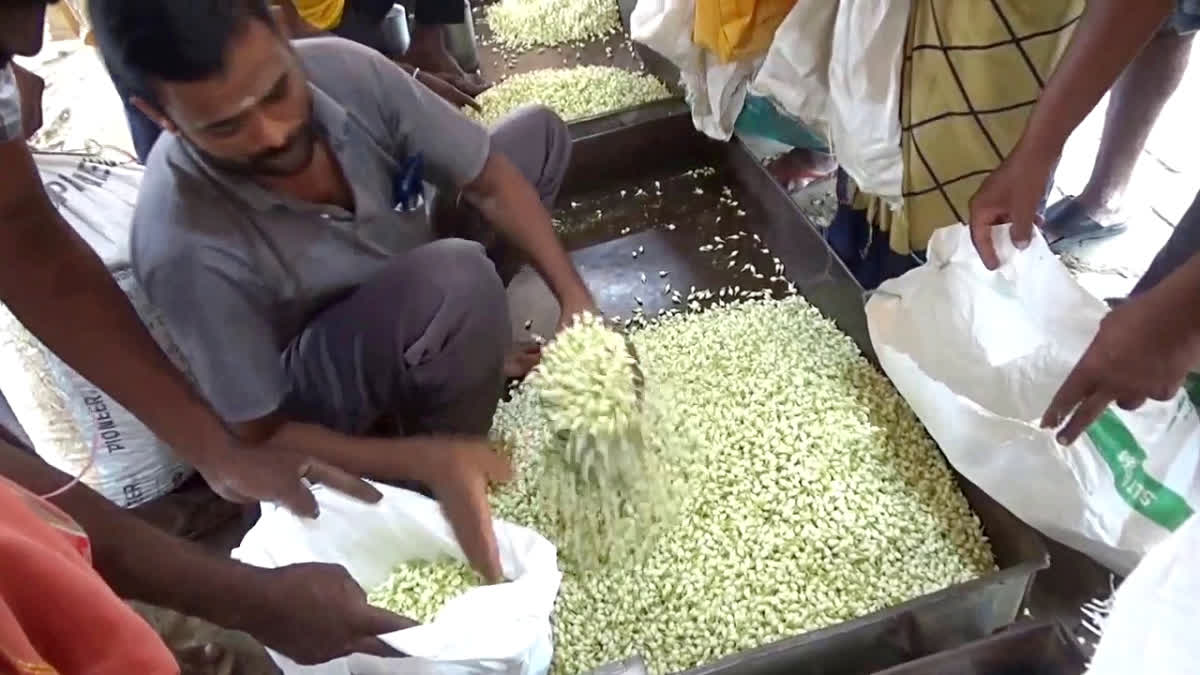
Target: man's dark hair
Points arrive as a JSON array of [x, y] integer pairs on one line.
[[147, 41]]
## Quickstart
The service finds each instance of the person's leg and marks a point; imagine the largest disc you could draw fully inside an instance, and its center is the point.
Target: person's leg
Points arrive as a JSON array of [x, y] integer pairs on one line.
[[538, 142], [428, 47], [362, 22], [1182, 245], [1134, 104], [422, 343]]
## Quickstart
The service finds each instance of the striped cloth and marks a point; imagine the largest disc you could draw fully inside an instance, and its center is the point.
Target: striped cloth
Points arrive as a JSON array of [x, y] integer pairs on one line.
[[973, 70]]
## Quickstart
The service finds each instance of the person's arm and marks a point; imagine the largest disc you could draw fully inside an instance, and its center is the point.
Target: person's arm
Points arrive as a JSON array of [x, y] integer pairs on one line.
[[312, 613], [457, 471], [56, 286], [1144, 350], [506, 199], [210, 299], [1109, 36], [457, 156]]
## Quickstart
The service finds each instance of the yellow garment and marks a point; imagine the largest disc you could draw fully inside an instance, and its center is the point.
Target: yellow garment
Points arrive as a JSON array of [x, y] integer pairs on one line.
[[321, 14], [739, 29], [968, 88]]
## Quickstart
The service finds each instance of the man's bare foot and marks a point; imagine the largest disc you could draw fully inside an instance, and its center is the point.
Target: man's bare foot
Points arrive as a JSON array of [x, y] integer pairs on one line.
[[522, 359], [799, 167], [1104, 212]]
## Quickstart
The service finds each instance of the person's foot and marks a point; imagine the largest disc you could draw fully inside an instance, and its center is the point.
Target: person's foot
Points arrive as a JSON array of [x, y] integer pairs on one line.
[[522, 359], [799, 167], [1075, 220], [1105, 212]]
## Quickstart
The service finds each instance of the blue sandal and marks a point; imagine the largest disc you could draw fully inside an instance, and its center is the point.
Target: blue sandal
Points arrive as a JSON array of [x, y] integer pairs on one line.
[[1068, 225]]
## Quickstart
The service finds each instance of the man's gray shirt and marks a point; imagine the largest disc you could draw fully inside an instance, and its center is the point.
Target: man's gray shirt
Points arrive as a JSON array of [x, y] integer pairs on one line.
[[237, 271]]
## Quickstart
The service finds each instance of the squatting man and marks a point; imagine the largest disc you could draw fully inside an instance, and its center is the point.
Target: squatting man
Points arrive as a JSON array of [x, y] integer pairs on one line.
[[324, 297]]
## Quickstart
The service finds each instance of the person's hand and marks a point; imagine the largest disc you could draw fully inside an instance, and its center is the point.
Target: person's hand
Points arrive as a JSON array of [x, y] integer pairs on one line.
[[1010, 194], [31, 87], [472, 85], [576, 304], [447, 90], [314, 612], [1142, 351], [457, 471], [262, 474]]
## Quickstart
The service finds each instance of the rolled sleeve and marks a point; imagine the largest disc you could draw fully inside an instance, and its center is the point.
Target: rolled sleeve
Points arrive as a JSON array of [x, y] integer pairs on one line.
[[220, 319], [454, 147]]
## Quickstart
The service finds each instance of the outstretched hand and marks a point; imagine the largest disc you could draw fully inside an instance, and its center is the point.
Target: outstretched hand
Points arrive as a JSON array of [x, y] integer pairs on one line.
[[450, 90], [458, 471], [249, 474], [1142, 351], [315, 612]]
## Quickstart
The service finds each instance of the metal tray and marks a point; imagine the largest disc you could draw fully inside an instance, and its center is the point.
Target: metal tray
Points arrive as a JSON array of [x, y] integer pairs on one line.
[[661, 149], [1042, 648]]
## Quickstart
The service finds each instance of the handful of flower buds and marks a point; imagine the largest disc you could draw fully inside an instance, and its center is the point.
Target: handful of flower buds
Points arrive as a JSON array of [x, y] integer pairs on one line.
[[605, 475]]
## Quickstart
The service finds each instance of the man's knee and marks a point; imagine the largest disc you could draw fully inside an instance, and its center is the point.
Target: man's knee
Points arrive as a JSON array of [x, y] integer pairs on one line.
[[468, 283], [556, 133], [538, 141]]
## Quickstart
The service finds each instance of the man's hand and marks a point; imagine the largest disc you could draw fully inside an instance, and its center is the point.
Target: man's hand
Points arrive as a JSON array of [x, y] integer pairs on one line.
[[315, 612], [453, 93], [250, 474], [575, 304], [31, 87], [1010, 195], [457, 471], [1142, 351]]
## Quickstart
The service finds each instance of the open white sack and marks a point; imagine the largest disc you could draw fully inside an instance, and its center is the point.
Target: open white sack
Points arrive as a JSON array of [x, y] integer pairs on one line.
[[1152, 625], [502, 628], [979, 355]]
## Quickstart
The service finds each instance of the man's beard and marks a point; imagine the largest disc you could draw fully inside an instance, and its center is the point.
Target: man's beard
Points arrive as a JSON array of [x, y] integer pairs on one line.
[[291, 158]]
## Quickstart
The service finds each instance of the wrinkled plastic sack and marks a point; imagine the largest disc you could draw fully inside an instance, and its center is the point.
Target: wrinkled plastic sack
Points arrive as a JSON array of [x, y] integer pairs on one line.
[[96, 199], [1151, 628], [835, 67], [65, 417], [979, 355], [503, 628], [738, 29], [715, 90]]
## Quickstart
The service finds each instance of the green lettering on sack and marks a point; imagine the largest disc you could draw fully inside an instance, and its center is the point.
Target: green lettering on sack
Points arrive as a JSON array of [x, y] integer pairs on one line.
[[1139, 489]]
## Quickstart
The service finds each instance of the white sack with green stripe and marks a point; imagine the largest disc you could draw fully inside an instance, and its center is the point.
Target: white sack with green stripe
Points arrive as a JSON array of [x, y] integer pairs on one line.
[[979, 354]]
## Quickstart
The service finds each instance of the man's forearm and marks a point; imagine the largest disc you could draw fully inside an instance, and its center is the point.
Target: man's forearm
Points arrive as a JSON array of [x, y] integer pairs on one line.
[[54, 283], [137, 560], [1181, 288], [388, 459], [510, 204], [1109, 36]]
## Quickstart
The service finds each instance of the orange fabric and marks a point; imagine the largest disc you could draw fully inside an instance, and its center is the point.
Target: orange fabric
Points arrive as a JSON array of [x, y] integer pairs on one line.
[[57, 616]]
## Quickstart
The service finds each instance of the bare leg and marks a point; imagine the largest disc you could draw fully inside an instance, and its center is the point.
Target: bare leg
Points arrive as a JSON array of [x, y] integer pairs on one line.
[[1134, 104]]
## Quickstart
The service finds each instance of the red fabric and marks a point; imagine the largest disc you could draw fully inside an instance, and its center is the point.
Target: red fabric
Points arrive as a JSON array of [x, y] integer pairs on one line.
[[56, 614]]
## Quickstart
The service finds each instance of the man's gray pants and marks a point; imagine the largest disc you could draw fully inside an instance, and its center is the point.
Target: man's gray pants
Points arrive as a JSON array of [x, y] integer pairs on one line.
[[420, 347]]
